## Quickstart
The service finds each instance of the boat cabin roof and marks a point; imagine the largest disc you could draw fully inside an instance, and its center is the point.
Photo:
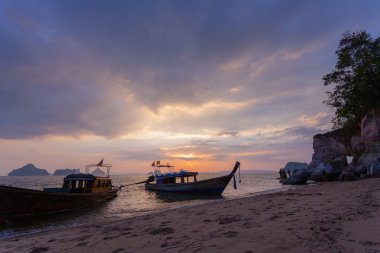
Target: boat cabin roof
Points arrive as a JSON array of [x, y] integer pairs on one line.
[[80, 176], [84, 177]]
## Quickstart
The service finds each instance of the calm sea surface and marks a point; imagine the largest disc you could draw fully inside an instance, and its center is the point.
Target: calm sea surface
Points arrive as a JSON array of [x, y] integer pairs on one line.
[[132, 200]]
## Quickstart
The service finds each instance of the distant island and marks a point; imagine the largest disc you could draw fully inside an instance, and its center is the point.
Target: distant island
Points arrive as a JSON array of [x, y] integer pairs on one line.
[[65, 172], [29, 170]]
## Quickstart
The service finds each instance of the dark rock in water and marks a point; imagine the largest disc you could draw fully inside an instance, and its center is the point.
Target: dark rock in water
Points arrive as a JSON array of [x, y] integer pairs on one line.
[[29, 170], [298, 177], [295, 166], [99, 173], [65, 172], [296, 171]]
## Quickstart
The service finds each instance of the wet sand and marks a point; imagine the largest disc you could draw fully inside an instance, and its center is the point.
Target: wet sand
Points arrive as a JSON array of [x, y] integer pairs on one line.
[[328, 217]]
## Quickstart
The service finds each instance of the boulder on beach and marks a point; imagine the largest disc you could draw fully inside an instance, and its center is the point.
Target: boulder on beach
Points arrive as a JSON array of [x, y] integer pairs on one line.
[[295, 166], [298, 177], [28, 170], [325, 172], [348, 174]]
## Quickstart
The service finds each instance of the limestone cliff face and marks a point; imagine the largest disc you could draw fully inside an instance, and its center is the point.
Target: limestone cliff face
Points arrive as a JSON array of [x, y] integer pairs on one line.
[[330, 155], [358, 148], [332, 148], [370, 129], [369, 161]]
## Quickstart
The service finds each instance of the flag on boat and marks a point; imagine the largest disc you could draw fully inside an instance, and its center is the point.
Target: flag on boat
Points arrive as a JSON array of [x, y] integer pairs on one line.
[[153, 164], [100, 163]]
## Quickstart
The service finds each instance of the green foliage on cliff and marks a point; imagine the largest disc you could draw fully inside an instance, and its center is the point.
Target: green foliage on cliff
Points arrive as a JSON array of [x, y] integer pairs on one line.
[[356, 78]]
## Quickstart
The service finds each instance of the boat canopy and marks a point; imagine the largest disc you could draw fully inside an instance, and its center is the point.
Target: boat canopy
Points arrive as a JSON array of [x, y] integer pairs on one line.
[[177, 174]]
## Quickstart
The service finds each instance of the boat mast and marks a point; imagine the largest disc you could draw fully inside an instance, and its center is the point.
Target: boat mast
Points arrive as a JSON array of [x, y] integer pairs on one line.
[[100, 164], [157, 164]]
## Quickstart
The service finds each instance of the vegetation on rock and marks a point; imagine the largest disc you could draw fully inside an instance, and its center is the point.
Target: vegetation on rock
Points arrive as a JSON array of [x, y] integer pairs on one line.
[[356, 79]]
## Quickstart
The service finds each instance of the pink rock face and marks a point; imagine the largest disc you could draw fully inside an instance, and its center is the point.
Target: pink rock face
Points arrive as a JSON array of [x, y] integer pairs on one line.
[[358, 148], [370, 128], [328, 148], [363, 144]]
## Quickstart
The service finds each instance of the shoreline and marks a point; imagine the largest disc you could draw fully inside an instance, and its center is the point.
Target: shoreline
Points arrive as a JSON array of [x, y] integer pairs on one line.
[[322, 218], [30, 231]]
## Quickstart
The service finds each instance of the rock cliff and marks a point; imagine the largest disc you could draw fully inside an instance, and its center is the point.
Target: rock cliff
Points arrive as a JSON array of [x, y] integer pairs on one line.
[[329, 160], [369, 161], [331, 150], [295, 166]]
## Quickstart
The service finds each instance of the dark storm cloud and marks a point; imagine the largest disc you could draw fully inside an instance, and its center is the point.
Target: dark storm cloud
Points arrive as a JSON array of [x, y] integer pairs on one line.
[[61, 62]]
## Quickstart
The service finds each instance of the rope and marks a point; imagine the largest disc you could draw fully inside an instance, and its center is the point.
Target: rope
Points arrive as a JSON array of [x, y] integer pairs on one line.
[[142, 182], [239, 175]]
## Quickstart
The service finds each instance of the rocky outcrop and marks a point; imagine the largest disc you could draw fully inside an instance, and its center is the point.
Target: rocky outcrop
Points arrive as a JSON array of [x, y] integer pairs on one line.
[[348, 174], [358, 148], [298, 177], [330, 154], [294, 173], [65, 172], [295, 166], [329, 160], [326, 172], [370, 129], [331, 149], [29, 170], [369, 162]]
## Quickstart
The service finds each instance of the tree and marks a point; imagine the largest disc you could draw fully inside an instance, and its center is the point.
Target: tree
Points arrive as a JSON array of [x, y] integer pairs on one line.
[[356, 79]]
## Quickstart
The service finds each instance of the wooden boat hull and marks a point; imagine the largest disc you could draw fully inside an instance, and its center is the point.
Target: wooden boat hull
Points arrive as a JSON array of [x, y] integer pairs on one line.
[[208, 186], [19, 203]]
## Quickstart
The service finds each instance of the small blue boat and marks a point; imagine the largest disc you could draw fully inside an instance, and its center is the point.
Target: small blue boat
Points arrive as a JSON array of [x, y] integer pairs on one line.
[[180, 182]]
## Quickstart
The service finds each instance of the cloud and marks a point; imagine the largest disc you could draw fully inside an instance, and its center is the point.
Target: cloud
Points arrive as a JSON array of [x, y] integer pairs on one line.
[[227, 133], [122, 68]]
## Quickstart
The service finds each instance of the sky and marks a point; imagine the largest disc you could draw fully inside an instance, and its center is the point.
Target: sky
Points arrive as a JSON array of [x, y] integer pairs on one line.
[[197, 84]]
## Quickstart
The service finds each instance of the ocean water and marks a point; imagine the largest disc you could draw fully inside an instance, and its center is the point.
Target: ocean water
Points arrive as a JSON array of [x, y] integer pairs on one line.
[[132, 200]]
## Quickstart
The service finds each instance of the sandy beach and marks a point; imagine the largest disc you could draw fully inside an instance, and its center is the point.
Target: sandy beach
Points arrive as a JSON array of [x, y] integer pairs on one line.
[[328, 217]]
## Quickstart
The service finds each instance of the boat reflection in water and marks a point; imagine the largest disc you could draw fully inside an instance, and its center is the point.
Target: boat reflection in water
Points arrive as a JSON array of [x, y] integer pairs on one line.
[[178, 197]]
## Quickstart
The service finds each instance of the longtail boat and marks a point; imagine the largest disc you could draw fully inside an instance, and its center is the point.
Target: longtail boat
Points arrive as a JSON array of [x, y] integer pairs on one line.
[[167, 182], [78, 191]]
